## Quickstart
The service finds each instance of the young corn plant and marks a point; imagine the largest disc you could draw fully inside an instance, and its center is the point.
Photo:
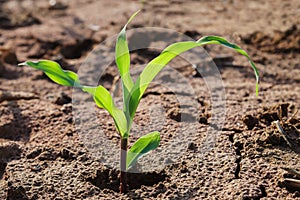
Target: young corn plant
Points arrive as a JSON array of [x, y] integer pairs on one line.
[[132, 91]]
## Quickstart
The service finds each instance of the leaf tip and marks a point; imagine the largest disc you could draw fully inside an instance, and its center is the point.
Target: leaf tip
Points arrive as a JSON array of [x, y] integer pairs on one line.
[[23, 64], [28, 63], [132, 16]]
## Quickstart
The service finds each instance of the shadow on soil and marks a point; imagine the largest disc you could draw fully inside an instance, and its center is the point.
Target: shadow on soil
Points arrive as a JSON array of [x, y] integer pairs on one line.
[[17, 129], [109, 179]]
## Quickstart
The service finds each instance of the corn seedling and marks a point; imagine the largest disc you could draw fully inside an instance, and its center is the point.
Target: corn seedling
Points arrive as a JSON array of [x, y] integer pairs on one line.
[[132, 91]]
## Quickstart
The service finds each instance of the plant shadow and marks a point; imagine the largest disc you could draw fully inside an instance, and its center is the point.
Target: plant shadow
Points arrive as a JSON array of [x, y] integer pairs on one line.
[[109, 179]]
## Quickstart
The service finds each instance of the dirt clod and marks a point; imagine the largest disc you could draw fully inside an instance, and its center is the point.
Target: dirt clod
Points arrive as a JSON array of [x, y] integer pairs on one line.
[[9, 151], [250, 121], [63, 99], [280, 42], [174, 113], [33, 154], [8, 21], [75, 48], [48, 154], [277, 112], [67, 154]]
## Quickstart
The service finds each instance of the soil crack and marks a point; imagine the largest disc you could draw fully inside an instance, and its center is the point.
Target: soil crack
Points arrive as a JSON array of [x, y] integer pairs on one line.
[[238, 147], [238, 165], [263, 191]]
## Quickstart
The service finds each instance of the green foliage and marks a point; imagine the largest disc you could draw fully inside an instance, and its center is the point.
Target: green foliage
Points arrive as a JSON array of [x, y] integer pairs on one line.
[[101, 96], [157, 64], [132, 91], [142, 146], [55, 72], [123, 61]]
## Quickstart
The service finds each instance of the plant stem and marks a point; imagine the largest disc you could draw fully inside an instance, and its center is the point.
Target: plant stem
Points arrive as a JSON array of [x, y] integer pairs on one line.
[[123, 176]]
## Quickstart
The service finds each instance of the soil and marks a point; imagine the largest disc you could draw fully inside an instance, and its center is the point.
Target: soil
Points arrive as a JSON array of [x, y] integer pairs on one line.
[[43, 155]]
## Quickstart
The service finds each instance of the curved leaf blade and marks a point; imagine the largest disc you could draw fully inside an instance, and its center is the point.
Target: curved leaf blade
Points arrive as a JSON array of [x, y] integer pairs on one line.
[[142, 146], [55, 72], [103, 99], [222, 41], [122, 58], [169, 53], [101, 95]]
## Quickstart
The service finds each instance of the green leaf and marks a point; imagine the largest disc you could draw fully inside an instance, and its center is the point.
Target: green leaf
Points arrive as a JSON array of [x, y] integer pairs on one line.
[[142, 146], [123, 63], [104, 100], [122, 51], [101, 96], [55, 72], [222, 41], [158, 63], [123, 58]]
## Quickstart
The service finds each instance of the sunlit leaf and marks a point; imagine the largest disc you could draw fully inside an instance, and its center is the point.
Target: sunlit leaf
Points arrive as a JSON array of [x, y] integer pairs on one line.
[[68, 78], [222, 41], [158, 63], [104, 100], [122, 51], [123, 60], [142, 146], [55, 72]]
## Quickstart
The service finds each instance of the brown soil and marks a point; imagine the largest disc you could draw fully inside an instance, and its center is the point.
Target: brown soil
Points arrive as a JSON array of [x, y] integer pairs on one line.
[[42, 156]]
